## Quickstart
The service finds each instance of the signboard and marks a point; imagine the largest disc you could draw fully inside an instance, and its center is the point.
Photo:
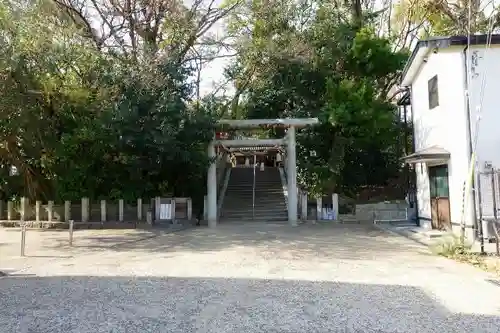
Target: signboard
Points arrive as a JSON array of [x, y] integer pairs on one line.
[[328, 214], [165, 211]]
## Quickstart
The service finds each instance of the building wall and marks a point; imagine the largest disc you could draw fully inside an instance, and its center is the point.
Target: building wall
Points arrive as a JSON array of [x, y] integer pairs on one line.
[[484, 97], [485, 71], [444, 126]]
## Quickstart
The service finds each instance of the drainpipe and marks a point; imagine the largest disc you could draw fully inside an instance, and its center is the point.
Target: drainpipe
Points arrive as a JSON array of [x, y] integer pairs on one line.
[[478, 228], [413, 144]]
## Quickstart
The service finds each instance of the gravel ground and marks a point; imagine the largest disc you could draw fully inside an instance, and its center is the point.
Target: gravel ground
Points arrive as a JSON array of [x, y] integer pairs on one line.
[[240, 278]]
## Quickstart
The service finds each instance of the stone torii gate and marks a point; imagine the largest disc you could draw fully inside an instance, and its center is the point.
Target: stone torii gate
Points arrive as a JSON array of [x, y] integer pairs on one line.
[[291, 165]]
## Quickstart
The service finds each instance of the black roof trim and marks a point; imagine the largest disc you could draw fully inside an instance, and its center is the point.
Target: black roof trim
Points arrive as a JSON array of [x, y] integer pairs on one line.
[[442, 42]]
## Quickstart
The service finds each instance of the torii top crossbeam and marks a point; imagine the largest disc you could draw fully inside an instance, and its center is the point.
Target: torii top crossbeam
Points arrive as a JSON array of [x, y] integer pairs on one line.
[[253, 123]]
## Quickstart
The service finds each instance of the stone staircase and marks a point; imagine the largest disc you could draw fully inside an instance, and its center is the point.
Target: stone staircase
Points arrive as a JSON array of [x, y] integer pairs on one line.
[[269, 198]]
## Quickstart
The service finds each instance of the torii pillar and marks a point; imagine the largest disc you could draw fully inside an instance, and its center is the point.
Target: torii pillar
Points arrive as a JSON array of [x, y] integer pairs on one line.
[[291, 172], [212, 187]]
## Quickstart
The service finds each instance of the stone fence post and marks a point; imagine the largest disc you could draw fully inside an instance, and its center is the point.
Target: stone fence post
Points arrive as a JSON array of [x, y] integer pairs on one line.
[[172, 209], [139, 209], [38, 204], [121, 208], [85, 209], [50, 211], [319, 208], [67, 210], [103, 211], [189, 209], [10, 210], [22, 209], [335, 204], [205, 213], [303, 205]]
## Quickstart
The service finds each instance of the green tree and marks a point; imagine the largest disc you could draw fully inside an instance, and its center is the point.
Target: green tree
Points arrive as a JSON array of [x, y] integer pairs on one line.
[[341, 73], [79, 121]]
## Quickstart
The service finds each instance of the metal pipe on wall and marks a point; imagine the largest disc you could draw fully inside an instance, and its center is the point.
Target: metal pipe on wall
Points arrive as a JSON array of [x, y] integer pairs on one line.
[[253, 186]]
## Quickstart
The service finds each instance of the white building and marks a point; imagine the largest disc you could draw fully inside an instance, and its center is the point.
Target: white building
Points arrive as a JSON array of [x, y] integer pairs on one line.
[[444, 121]]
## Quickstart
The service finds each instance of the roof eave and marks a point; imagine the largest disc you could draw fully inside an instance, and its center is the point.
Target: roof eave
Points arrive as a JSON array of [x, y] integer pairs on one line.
[[414, 64], [427, 158]]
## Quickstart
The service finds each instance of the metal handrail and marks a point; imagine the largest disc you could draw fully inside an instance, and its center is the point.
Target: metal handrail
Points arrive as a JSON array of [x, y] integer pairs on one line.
[[253, 187]]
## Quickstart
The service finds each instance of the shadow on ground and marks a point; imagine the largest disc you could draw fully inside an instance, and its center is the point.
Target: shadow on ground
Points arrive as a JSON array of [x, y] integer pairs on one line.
[[321, 240], [132, 304]]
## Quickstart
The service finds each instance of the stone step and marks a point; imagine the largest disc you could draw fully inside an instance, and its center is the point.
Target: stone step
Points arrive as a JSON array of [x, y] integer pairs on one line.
[[247, 210], [261, 191], [250, 184], [237, 202], [259, 198], [257, 216], [261, 194], [257, 212], [242, 200], [258, 201], [267, 193], [261, 209], [248, 200], [250, 218], [257, 188]]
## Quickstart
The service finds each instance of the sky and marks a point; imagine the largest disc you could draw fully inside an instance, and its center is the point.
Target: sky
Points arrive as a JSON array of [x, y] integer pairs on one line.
[[212, 73]]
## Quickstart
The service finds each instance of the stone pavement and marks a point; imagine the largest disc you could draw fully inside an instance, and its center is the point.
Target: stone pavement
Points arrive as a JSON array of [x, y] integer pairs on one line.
[[244, 277], [429, 237]]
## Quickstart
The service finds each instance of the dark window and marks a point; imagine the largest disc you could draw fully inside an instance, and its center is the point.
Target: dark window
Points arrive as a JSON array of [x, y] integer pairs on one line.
[[438, 178], [433, 92]]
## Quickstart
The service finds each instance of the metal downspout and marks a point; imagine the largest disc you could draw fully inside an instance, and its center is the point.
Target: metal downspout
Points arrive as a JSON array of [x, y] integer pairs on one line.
[[417, 215], [253, 186], [477, 227]]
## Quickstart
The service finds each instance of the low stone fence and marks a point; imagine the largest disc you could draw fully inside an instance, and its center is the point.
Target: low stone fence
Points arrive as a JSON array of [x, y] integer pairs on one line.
[[318, 208], [326, 208], [383, 212], [57, 214]]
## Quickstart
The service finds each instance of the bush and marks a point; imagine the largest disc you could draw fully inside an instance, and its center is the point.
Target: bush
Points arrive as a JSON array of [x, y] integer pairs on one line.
[[451, 246]]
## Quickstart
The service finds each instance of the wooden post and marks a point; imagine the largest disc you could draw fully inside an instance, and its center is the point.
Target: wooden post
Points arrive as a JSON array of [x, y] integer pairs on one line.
[[67, 210], [10, 210], [22, 210], [120, 210], [189, 204], [85, 209], [103, 211], [139, 209], [50, 211], [38, 204]]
